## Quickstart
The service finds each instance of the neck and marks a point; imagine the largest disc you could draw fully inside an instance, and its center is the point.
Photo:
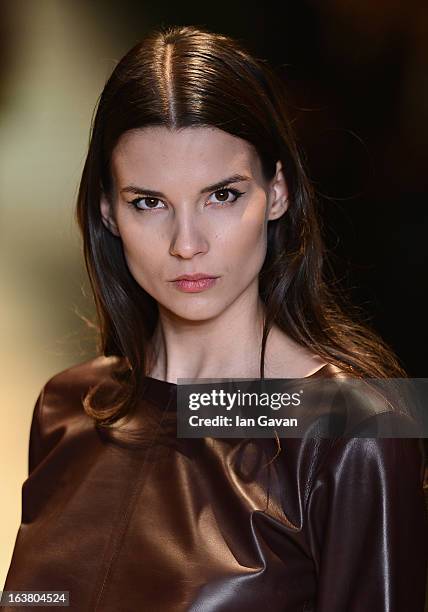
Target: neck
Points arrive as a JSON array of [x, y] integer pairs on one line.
[[225, 346]]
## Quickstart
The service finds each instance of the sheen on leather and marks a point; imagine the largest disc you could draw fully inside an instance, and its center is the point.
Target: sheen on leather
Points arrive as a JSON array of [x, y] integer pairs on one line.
[[215, 525]]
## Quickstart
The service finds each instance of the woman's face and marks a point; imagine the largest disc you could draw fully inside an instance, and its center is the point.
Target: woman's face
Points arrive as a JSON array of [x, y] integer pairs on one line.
[[180, 207]]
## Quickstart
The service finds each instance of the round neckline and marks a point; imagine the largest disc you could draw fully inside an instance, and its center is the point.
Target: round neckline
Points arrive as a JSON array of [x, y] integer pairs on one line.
[[167, 382], [163, 392]]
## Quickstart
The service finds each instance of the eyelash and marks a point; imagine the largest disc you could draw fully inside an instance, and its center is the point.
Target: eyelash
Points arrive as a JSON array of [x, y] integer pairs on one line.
[[235, 192]]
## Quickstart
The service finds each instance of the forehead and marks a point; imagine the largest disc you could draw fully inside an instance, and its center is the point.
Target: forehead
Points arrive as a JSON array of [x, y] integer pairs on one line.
[[196, 153]]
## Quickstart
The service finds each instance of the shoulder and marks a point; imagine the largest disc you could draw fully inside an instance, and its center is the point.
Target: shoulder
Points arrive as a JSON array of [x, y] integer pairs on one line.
[[357, 428], [373, 431], [81, 376], [62, 395], [58, 413]]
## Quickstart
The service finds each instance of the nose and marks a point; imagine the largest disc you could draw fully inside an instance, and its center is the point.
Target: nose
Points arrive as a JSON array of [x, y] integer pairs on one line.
[[188, 236]]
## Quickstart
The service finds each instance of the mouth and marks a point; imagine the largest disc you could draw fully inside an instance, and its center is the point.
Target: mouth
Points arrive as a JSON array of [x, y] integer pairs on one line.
[[195, 277], [194, 285]]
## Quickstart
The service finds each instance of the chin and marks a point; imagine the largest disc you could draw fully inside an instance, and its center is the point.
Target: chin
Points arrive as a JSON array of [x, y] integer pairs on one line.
[[194, 310]]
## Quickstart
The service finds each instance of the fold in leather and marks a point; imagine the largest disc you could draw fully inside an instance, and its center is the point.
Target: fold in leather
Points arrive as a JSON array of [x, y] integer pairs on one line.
[[213, 525]]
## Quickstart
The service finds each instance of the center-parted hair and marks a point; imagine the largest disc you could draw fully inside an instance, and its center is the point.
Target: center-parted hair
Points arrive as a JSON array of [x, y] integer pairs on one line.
[[181, 77]]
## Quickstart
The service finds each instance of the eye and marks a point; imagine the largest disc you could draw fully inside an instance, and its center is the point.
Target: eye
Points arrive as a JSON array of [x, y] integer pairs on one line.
[[223, 194], [149, 201]]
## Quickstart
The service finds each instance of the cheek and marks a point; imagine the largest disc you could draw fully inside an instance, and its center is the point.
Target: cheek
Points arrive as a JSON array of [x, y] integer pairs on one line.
[[143, 253], [244, 243]]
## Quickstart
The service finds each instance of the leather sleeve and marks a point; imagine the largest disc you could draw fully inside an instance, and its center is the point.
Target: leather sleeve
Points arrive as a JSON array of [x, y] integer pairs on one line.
[[368, 526]]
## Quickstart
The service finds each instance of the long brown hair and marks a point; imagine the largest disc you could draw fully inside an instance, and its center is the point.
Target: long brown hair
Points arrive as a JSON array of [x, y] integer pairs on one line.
[[186, 76]]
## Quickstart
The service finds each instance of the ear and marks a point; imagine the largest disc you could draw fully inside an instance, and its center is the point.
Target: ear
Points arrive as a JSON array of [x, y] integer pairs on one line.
[[278, 194], [106, 209]]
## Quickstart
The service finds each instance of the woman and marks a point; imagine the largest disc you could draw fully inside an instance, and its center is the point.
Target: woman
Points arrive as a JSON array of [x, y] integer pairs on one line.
[[193, 169]]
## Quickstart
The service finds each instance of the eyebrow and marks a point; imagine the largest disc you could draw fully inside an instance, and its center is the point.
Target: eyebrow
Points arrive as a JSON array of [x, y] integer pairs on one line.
[[235, 178]]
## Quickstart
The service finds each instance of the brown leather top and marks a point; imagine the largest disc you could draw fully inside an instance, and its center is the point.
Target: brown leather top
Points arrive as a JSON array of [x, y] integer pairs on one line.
[[209, 525]]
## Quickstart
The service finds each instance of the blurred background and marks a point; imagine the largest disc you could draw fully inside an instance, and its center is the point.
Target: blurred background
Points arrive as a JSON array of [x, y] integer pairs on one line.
[[358, 94]]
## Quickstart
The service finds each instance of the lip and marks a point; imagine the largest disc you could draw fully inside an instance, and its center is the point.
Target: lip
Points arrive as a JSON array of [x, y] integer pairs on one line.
[[194, 277], [195, 285]]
